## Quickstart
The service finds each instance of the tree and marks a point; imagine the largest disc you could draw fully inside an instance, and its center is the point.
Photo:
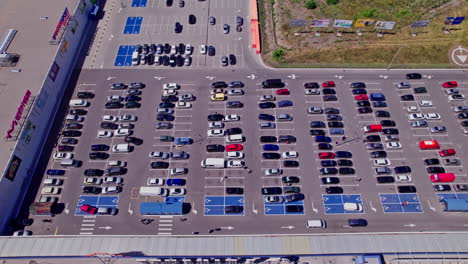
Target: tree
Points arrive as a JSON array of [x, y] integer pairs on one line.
[[332, 2], [310, 4], [278, 54]]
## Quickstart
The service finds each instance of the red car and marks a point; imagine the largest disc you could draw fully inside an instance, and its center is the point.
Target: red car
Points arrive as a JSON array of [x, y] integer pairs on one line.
[[282, 92], [328, 84], [373, 128], [361, 97], [443, 177], [429, 144], [88, 209], [451, 84], [234, 147], [447, 152], [326, 155]]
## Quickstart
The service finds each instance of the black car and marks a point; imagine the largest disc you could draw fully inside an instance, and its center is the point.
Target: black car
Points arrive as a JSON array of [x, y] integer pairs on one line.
[[232, 59], [270, 155], [317, 132], [165, 117], [132, 98], [165, 60], [73, 126], [108, 125], [431, 162], [347, 163], [266, 105], [363, 103], [311, 85], [93, 172], [359, 91], [290, 179], [177, 27], [327, 163], [233, 209], [378, 154], [317, 124], [328, 91], [381, 113], [215, 117], [357, 222], [358, 85], [464, 123], [92, 189], [373, 138], [435, 169], [85, 95], [169, 98], [268, 139], [293, 197], [266, 117], [166, 105], [331, 111], [420, 90], [407, 97], [406, 189], [214, 148], [113, 105], [99, 147], [133, 140], [168, 2], [233, 131], [159, 165], [387, 123], [328, 171], [291, 189], [334, 190], [330, 97], [98, 155], [390, 131], [335, 124], [413, 76], [294, 208], [385, 179], [364, 110], [402, 169], [379, 104], [346, 171], [290, 163], [167, 48], [234, 190], [334, 117], [211, 51], [234, 104], [442, 188], [462, 116], [180, 61], [192, 19], [286, 139], [219, 85], [343, 154], [71, 133], [330, 180], [65, 148], [78, 112], [325, 146], [72, 141], [271, 190]]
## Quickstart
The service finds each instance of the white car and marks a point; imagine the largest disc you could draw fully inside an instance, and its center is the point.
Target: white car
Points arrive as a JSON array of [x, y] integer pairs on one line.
[[394, 145], [231, 118], [438, 129], [177, 191], [170, 92], [160, 155], [273, 172], [382, 162], [235, 164], [188, 49], [179, 171], [235, 92], [186, 97], [215, 124], [313, 91], [267, 98], [425, 103], [22, 233], [128, 118], [116, 180], [165, 111], [274, 199], [171, 86], [92, 180], [412, 109], [155, 181], [111, 189], [215, 133], [403, 178], [123, 132], [290, 154], [63, 155], [416, 117], [51, 190], [110, 118], [183, 105], [456, 97], [234, 155], [114, 98], [202, 49], [173, 49], [161, 191], [432, 116], [404, 85], [104, 134]]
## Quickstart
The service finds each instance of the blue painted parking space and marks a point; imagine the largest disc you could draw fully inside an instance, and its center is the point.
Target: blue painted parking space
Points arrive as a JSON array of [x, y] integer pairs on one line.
[[215, 205], [463, 196], [174, 199], [133, 25], [400, 203], [97, 201], [280, 208], [124, 56], [333, 203], [139, 3]]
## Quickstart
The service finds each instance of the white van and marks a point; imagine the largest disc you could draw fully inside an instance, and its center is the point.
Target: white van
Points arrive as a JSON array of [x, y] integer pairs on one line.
[[234, 139], [78, 103], [153, 191], [135, 58], [316, 224], [352, 207], [121, 148], [75, 118], [107, 211], [70, 163]]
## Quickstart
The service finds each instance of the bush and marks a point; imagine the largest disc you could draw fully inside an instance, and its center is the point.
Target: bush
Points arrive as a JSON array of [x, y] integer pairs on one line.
[[310, 4], [278, 54], [369, 13], [334, 2]]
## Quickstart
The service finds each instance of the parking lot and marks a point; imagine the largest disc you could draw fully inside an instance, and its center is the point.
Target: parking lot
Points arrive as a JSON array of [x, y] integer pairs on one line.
[[382, 206]]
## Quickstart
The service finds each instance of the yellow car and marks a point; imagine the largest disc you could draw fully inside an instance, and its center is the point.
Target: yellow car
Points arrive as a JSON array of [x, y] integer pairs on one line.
[[217, 97]]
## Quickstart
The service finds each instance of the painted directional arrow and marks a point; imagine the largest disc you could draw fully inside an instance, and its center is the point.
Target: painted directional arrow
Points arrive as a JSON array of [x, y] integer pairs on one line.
[[110, 78], [288, 227], [227, 227], [252, 76], [292, 76], [210, 77], [66, 210], [207, 201], [410, 225], [159, 78], [105, 227], [130, 211]]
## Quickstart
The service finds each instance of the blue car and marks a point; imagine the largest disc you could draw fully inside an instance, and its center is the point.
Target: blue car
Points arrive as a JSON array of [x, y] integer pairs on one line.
[[285, 103], [183, 141], [322, 139], [55, 172], [343, 154], [132, 98], [99, 147], [270, 147], [336, 131], [175, 182], [379, 104], [377, 97], [359, 91], [266, 117], [328, 163], [266, 105], [317, 124]]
